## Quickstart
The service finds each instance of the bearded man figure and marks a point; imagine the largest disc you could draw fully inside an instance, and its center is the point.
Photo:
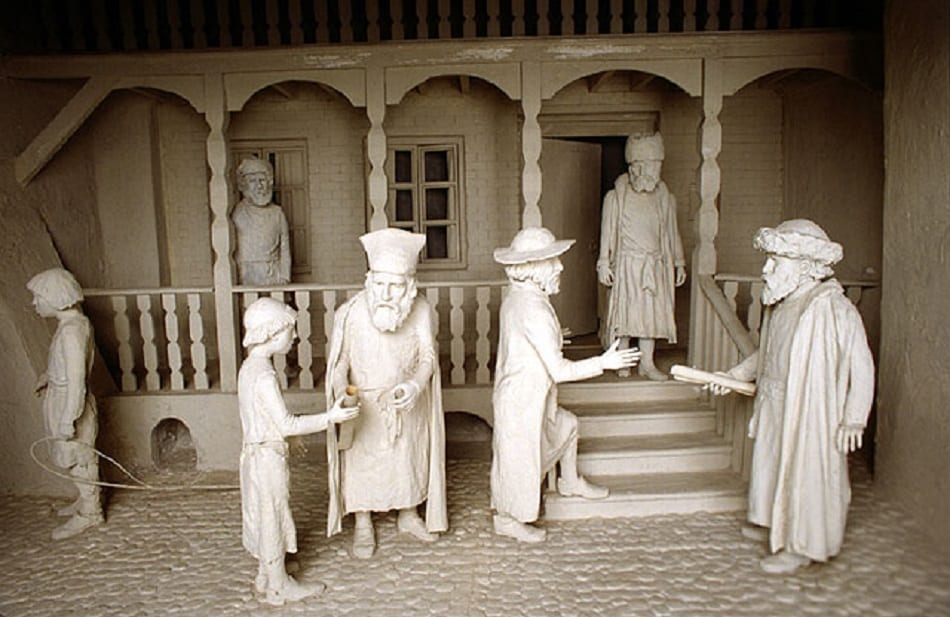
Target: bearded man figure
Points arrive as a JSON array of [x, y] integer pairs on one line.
[[641, 255], [383, 344], [815, 385], [263, 237]]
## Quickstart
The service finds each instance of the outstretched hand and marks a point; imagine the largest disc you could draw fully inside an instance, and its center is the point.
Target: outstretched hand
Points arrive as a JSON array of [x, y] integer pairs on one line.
[[338, 413], [614, 359], [848, 438]]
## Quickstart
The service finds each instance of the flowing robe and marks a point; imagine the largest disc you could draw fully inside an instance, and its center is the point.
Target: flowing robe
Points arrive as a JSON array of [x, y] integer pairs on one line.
[[531, 432], [268, 526], [640, 243], [263, 244], [397, 457], [815, 372]]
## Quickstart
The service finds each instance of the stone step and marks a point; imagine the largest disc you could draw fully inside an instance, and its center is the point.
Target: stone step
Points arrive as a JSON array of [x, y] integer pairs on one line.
[[644, 418], [650, 454], [626, 391], [653, 494]]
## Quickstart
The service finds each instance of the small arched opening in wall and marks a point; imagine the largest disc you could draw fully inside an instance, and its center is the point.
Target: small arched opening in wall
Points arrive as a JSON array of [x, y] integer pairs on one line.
[[173, 448], [467, 437]]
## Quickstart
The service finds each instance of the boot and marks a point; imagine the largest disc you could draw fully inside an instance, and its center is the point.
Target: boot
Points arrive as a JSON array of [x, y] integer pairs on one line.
[[522, 532], [410, 522]]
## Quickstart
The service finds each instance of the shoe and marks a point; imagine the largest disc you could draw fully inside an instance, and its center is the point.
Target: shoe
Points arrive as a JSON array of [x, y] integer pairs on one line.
[[260, 583], [522, 532], [755, 533], [652, 373], [76, 525], [364, 542], [69, 510], [783, 562], [410, 522], [581, 488], [293, 591]]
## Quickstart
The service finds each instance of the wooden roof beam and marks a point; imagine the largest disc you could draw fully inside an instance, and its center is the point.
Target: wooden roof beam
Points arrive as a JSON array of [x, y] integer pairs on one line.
[[596, 82]]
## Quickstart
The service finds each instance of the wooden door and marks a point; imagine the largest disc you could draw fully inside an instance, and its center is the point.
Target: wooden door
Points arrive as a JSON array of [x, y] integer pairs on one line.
[[570, 208]]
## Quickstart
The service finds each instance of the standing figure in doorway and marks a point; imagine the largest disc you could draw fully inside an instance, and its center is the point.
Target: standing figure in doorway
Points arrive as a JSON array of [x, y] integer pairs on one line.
[[641, 255], [383, 343], [815, 385], [69, 409], [532, 434], [263, 238]]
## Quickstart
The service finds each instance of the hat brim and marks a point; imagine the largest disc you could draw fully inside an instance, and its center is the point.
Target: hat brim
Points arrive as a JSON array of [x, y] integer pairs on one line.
[[509, 257]]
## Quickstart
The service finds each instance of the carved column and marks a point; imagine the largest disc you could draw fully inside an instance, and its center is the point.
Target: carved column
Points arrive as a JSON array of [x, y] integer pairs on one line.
[[531, 143], [376, 147], [707, 221], [216, 115]]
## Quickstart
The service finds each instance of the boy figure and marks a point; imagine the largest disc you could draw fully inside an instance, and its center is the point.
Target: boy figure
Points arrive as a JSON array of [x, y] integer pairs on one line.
[[69, 409], [269, 531]]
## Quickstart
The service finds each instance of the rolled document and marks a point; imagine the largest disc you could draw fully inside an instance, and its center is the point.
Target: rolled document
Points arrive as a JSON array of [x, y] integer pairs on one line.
[[694, 375]]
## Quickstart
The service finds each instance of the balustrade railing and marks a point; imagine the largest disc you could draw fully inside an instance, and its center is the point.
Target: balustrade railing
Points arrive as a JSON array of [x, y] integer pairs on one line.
[[135, 25], [155, 339]]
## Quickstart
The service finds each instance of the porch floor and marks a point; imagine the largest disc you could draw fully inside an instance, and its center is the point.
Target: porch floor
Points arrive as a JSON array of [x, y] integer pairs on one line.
[[181, 554]]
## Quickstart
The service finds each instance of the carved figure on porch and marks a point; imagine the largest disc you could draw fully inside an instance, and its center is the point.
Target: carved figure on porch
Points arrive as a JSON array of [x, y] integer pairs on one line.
[[815, 385], [263, 238], [268, 526], [641, 254], [532, 434], [383, 343], [69, 409]]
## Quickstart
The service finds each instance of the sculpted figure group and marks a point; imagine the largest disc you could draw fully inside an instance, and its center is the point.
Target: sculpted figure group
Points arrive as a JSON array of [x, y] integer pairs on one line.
[[384, 418]]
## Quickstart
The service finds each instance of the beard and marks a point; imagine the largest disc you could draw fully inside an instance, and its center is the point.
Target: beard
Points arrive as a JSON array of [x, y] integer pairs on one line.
[[644, 183], [258, 198], [552, 285], [777, 288], [389, 316]]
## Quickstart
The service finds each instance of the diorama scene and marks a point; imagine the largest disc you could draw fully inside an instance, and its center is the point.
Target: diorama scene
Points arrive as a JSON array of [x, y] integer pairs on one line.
[[489, 307]]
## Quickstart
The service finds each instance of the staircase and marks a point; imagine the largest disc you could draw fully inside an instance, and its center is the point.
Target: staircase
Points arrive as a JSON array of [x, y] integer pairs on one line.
[[655, 445]]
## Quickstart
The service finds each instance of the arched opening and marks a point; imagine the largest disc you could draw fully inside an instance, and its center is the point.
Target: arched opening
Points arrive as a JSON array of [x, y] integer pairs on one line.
[[172, 446], [467, 437]]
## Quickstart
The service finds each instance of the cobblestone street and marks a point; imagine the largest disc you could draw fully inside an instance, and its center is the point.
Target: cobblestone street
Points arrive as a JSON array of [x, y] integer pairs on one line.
[[180, 554]]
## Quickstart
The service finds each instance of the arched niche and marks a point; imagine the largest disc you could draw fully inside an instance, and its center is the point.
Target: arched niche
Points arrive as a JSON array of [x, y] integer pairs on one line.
[[172, 447], [740, 72], [240, 87], [504, 76], [190, 88], [686, 74]]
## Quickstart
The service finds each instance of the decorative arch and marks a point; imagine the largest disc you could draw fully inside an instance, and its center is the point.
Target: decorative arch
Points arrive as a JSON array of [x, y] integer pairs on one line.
[[240, 87], [740, 72], [504, 76], [191, 88], [686, 74]]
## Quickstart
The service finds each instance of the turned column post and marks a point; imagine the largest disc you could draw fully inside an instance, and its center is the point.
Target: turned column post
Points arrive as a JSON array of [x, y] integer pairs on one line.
[[377, 187], [531, 143]]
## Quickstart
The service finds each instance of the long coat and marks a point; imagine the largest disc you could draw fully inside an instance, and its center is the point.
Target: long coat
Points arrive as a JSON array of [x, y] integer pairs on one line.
[[530, 431]]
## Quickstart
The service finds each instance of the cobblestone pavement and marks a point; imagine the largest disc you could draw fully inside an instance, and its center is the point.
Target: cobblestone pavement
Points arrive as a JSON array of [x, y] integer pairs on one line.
[[181, 554]]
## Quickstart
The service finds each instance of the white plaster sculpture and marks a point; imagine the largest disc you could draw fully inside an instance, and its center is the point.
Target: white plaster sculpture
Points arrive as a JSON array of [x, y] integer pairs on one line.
[[263, 238], [69, 409], [641, 254], [383, 343], [815, 383], [268, 526], [532, 433]]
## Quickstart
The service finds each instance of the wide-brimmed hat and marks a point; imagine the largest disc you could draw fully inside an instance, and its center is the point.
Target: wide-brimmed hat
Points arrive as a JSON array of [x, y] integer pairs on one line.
[[531, 244], [799, 239]]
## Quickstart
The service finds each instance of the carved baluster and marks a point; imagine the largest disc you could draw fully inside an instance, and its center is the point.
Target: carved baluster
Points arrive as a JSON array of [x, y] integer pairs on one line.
[[200, 40], [149, 351], [712, 15], [196, 331], [323, 20], [730, 289], [123, 334], [494, 18], [518, 16], [469, 26], [127, 26], [173, 349], [591, 27], [372, 21], [376, 147], [422, 19], [329, 306], [395, 12], [296, 21], [754, 320], [531, 143], [432, 295], [616, 16], [735, 15], [346, 20], [174, 25], [663, 16], [271, 14], [304, 346], [247, 299], [567, 17], [761, 14], [482, 328], [76, 27], [224, 24], [151, 25], [280, 360], [854, 293], [457, 327], [101, 26], [247, 24], [640, 16], [785, 14], [689, 15]]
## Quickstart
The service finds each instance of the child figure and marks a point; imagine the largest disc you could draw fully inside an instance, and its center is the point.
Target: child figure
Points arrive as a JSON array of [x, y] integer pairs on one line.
[[269, 531]]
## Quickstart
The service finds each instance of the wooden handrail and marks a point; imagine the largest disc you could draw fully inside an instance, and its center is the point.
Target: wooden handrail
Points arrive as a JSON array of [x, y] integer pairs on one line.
[[97, 292], [754, 278], [241, 289], [727, 316]]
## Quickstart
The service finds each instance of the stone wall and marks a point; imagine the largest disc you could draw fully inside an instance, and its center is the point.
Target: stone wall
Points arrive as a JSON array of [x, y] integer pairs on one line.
[[913, 437]]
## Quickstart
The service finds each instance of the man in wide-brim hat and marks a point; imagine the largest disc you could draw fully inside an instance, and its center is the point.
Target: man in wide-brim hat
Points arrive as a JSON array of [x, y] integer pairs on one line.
[[532, 433]]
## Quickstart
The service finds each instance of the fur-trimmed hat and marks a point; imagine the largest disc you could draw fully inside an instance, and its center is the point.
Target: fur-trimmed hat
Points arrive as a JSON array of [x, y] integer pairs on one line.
[[644, 147], [531, 244], [264, 318], [57, 286], [799, 239]]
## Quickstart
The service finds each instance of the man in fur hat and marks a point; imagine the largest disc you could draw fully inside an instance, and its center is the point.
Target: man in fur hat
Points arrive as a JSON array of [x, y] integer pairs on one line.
[[641, 254], [815, 385], [263, 238], [532, 433], [383, 343]]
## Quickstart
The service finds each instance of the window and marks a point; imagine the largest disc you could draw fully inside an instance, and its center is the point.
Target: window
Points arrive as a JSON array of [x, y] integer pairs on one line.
[[425, 196], [289, 160]]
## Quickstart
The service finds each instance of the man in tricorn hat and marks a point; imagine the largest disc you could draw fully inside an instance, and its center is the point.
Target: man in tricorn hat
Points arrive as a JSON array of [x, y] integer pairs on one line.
[[532, 433], [263, 238], [641, 254], [383, 343], [815, 384]]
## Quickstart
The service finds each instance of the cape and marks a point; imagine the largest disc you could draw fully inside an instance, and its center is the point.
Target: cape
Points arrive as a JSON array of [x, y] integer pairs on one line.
[[436, 509]]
